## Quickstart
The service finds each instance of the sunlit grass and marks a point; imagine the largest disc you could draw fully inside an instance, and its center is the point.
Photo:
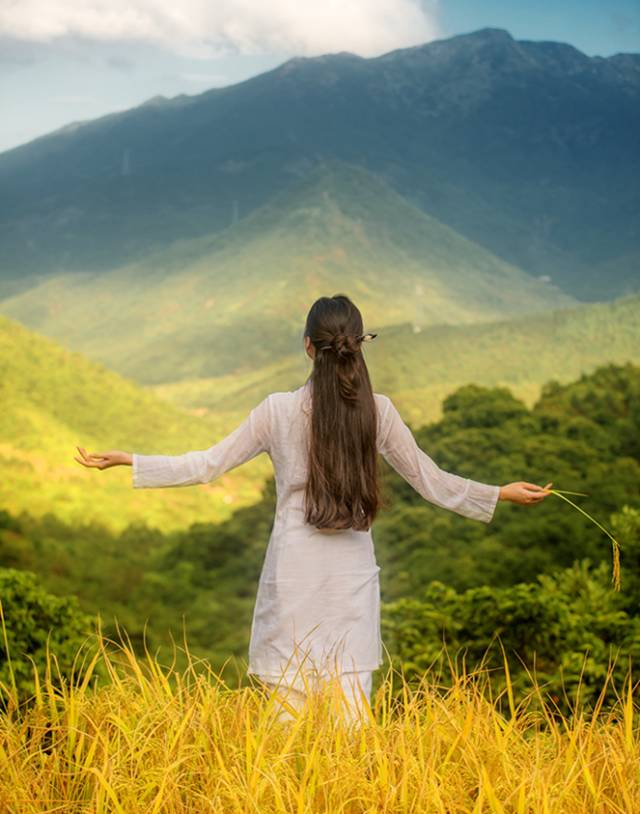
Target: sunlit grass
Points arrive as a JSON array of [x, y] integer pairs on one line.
[[615, 544], [128, 734]]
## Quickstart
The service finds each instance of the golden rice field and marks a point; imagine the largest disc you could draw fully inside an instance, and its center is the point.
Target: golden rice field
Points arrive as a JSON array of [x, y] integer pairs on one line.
[[146, 739]]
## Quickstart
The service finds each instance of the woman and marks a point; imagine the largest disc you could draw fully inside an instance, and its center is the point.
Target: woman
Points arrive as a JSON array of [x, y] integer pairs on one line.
[[317, 611]]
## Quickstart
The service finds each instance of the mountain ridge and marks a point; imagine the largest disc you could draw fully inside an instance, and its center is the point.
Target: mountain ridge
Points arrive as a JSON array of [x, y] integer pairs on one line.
[[492, 136], [487, 34]]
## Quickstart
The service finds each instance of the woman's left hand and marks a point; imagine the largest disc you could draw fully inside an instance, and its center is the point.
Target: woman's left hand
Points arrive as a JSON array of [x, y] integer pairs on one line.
[[103, 460]]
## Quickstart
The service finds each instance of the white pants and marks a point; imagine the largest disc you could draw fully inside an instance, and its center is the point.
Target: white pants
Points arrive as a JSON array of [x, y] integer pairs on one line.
[[353, 685]]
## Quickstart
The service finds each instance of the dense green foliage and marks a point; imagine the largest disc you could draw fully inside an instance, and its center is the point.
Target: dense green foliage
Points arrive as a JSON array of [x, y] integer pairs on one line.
[[36, 621], [514, 576], [567, 628]]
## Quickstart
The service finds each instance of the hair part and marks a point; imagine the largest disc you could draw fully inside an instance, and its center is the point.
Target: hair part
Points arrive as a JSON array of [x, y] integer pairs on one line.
[[342, 489]]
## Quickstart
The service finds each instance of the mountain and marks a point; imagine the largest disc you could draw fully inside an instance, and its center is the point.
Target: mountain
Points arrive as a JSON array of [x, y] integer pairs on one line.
[[237, 300], [526, 147], [419, 369], [54, 399]]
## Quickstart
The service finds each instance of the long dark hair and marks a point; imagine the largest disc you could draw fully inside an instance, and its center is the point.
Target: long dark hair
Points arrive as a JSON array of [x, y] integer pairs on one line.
[[342, 489]]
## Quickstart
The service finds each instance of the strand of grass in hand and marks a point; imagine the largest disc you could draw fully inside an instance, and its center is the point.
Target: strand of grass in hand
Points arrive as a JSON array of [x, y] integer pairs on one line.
[[615, 579]]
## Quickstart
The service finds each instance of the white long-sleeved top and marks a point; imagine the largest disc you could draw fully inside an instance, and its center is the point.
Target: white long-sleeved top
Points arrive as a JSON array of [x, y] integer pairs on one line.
[[318, 599]]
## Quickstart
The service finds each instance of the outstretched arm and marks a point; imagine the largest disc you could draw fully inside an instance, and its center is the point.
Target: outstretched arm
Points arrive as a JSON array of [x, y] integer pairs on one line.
[[467, 497], [198, 466], [461, 495]]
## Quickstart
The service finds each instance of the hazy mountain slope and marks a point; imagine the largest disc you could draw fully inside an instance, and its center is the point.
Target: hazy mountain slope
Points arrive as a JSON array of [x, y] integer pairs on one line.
[[53, 399], [528, 148], [238, 300], [419, 369], [520, 354]]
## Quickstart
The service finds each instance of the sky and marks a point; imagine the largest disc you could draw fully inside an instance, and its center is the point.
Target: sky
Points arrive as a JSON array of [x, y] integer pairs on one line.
[[73, 60]]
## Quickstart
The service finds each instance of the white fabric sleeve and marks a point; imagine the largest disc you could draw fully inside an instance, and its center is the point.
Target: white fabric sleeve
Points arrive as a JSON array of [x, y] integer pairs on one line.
[[201, 466], [464, 496]]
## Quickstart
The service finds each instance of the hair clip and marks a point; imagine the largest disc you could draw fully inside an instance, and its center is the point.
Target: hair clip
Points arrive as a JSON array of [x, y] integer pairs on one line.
[[363, 338]]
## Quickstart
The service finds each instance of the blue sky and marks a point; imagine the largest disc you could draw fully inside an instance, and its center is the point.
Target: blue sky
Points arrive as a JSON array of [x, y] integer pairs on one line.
[[70, 60]]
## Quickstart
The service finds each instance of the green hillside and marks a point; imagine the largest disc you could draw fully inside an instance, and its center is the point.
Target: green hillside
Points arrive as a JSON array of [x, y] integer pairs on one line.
[[237, 300], [520, 354], [420, 369], [54, 399]]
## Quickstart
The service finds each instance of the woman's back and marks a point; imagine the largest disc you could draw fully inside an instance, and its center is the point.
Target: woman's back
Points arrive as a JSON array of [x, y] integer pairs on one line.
[[286, 422], [319, 595], [319, 592], [282, 423]]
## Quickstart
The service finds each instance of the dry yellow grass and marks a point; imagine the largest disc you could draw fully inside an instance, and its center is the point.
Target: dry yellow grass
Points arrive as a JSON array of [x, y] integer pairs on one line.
[[145, 739]]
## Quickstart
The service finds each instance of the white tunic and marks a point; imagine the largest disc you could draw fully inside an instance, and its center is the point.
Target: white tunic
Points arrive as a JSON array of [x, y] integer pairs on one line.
[[318, 599]]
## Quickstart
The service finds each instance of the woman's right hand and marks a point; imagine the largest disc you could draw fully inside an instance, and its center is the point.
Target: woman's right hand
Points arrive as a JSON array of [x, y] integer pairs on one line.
[[524, 493], [104, 460]]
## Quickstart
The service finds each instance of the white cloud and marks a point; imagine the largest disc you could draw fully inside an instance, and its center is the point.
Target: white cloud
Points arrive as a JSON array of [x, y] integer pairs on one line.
[[205, 28]]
